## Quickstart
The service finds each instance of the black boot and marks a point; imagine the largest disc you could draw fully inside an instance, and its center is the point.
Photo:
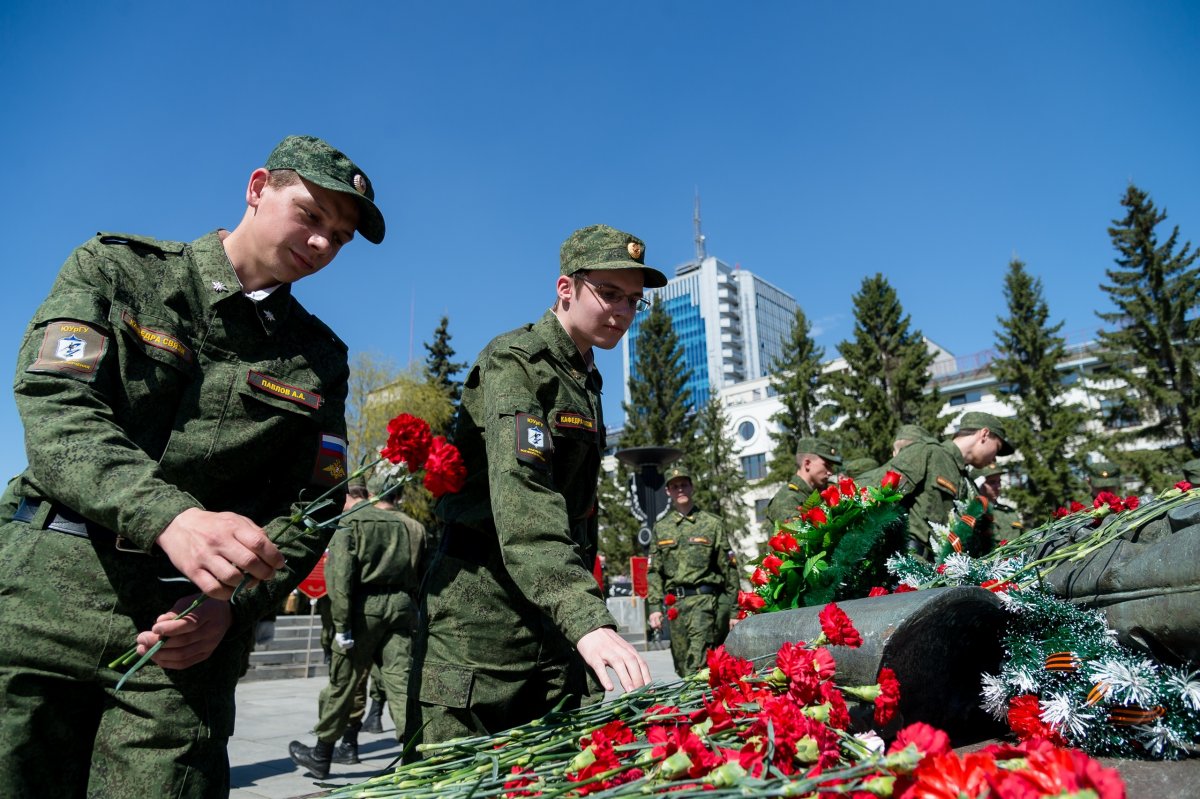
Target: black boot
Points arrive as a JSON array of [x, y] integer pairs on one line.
[[315, 759], [347, 751], [373, 721]]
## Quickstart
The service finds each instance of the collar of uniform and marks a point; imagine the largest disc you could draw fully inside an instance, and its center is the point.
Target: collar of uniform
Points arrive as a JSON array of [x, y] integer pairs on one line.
[[680, 518], [955, 453], [799, 485], [563, 348], [219, 281]]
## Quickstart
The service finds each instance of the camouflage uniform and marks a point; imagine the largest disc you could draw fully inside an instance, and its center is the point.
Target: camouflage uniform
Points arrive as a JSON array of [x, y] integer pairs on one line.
[[690, 558], [148, 385], [933, 476], [372, 579], [787, 501], [511, 590], [1006, 522]]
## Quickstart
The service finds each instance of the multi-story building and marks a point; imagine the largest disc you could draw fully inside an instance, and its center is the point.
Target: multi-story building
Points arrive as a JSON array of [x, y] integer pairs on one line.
[[731, 324]]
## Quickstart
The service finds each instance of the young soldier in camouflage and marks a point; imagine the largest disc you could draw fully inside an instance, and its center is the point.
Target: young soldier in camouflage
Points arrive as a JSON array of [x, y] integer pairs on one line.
[[178, 402], [513, 618], [691, 559], [934, 475], [816, 464]]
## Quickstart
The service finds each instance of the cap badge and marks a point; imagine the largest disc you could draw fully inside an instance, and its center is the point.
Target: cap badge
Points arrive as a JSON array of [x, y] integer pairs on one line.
[[360, 184], [635, 250]]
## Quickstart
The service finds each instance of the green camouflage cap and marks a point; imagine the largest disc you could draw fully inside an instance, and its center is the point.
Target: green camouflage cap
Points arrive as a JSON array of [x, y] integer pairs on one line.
[[1104, 474], [988, 471], [1191, 471], [856, 466], [317, 162], [977, 420], [818, 446], [678, 472], [600, 247], [911, 432], [357, 481], [376, 484]]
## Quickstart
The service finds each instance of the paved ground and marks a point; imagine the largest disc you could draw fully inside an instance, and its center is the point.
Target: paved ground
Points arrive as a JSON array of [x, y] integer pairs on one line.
[[271, 713]]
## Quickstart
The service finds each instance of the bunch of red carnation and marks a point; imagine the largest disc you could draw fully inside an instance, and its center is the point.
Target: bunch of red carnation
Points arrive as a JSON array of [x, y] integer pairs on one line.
[[411, 442]]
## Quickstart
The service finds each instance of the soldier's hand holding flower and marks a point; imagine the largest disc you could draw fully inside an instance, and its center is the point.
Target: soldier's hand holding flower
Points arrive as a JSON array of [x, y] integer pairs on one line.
[[188, 639], [216, 551]]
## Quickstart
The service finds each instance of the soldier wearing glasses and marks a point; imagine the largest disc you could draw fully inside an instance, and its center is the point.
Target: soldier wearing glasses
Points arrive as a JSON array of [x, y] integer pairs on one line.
[[513, 620]]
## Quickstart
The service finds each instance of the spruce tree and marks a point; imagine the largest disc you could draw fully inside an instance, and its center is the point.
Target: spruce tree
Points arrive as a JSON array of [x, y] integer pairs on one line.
[[1154, 344], [1049, 433], [716, 473], [658, 412], [797, 378], [440, 367], [618, 526], [887, 372]]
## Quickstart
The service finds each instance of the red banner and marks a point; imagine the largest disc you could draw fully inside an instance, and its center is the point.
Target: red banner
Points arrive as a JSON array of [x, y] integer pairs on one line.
[[639, 567], [313, 586]]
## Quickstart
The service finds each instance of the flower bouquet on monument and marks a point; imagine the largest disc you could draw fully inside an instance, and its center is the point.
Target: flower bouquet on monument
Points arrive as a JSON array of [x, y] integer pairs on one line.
[[737, 728], [835, 548], [413, 451], [1066, 676]]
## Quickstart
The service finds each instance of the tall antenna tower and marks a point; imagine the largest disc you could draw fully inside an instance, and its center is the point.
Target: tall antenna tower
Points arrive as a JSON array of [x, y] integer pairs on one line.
[[701, 252]]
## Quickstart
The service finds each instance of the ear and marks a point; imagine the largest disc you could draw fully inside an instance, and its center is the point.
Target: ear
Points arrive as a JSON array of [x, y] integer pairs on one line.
[[254, 189], [564, 287]]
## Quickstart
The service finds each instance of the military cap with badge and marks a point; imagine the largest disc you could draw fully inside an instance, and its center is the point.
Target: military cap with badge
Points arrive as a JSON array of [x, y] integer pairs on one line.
[[819, 447], [598, 248], [677, 473], [317, 162], [1104, 474], [978, 420]]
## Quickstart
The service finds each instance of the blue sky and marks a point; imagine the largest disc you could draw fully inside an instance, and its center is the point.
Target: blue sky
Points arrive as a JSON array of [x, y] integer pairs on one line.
[[930, 141]]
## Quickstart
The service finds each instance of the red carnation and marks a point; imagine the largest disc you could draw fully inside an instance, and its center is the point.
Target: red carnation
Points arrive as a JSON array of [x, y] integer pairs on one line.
[[889, 696], [1131, 503], [669, 599], [1077, 506], [672, 613], [890, 480], [725, 668], [409, 440], [772, 563], [904, 588], [831, 496], [444, 470], [998, 586], [1060, 512], [928, 740], [878, 591], [1184, 485], [848, 487], [1025, 719], [751, 601], [838, 628], [783, 542], [815, 516]]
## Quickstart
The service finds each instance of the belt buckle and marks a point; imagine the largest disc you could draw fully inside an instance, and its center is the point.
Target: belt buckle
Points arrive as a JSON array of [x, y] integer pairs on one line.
[[121, 544]]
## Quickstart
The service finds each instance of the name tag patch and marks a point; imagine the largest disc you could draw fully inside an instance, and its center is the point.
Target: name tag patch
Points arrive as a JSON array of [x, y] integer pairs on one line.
[[330, 468], [158, 339], [534, 443], [70, 348], [574, 420], [277, 388]]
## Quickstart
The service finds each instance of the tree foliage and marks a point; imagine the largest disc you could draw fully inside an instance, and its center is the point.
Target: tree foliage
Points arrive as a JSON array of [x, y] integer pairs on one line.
[[618, 526], [887, 372], [797, 378], [716, 473], [658, 413], [440, 366], [1154, 343], [1049, 433]]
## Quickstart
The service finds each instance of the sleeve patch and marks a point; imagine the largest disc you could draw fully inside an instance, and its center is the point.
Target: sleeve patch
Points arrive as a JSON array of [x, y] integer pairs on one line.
[[330, 468], [700, 540], [158, 339], [71, 348], [947, 485], [534, 444]]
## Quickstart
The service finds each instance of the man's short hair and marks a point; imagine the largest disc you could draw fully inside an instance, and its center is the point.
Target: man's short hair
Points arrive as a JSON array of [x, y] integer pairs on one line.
[[357, 491]]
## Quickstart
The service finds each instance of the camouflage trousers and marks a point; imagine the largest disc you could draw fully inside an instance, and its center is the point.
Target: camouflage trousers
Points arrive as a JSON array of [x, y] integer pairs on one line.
[[70, 606], [382, 631], [693, 632], [486, 659]]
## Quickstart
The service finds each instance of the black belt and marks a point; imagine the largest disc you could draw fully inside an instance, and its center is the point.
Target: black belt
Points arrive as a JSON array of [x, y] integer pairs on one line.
[[692, 590], [64, 520]]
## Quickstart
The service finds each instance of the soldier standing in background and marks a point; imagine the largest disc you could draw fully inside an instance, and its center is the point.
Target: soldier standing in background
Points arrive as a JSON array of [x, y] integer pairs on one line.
[[372, 577], [1006, 521], [910, 434], [178, 403], [816, 463], [690, 562], [1104, 476], [513, 619], [856, 466], [934, 475]]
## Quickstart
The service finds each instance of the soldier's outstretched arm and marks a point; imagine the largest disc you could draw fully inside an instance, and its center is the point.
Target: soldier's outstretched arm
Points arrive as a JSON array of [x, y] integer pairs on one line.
[[603, 649]]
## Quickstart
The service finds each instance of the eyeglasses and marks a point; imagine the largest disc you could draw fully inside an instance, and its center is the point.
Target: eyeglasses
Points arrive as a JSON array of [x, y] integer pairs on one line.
[[611, 296]]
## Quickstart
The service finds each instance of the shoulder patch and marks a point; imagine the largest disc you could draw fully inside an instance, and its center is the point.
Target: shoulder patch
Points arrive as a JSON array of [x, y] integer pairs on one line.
[[666, 542], [71, 348], [534, 444], [700, 540], [946, 484], [330, 468], [573, 420]]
